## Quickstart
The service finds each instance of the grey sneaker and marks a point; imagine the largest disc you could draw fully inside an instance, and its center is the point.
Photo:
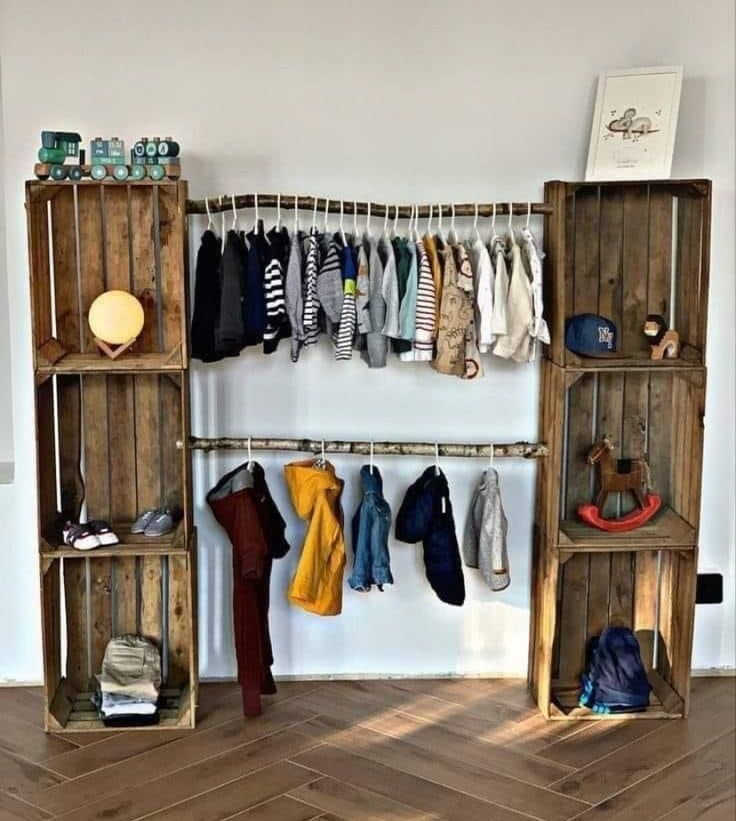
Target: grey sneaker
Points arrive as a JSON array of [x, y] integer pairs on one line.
[[142, 522], [161, 524]]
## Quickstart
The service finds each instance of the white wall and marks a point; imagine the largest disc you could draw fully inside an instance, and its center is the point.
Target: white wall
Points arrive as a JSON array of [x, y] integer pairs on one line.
[[6, 408], [409, 101]]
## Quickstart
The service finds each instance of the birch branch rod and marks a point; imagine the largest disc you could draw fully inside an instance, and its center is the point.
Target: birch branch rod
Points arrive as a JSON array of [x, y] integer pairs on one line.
[[525, 450], [306, 203]]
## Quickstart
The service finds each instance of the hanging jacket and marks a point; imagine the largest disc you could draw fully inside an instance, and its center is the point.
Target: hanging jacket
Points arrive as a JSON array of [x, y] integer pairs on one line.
[[294, 295], [516, 343], [206, 299], [402, 255], [390, 289], [242, 504], [277, 322], [362, 291], [473, 366], [455, 312], [311, 301], [425, 316], [376, 344], [483, 282], [230, 330], [421, 518], [254, 306], [499, 326], [532, 258], [330, 285], [371, 526], [348, 311], [430, 246], [484, 544], [315, 493]]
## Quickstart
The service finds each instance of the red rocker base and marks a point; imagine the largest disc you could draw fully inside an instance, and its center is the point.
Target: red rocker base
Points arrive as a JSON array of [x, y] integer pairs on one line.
[[592, 516]]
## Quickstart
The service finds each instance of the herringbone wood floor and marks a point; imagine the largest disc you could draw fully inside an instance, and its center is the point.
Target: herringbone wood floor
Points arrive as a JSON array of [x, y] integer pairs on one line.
[[353, 751]]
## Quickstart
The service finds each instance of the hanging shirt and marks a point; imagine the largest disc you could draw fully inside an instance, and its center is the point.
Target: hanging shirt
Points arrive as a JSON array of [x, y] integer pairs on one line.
[[473, 367], [500, 287], [330, 287], [532, 258], [425, 318], [277, 323], [430, 247], [206, 299], [516, 343], [294, 295], [376, 347], [348, 312], [362, 291], [483, 280], [408, 308], [230, 331], [453, 317], [254, 306], [311, 302], [403, 262], [390, 289]]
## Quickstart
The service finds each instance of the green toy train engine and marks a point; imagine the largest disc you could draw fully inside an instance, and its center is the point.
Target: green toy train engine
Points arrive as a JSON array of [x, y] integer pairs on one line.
[[154, 158], [56, 146]]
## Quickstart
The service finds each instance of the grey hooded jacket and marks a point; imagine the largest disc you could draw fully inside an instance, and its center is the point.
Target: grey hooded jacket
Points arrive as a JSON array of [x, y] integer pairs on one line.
[[484, 545]]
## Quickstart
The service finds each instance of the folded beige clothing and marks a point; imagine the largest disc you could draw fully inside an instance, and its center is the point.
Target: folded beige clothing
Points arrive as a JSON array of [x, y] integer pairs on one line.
[[132, 667]]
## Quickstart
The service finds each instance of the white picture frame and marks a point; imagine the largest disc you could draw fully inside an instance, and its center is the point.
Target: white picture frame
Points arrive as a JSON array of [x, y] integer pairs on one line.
[[633, 132]]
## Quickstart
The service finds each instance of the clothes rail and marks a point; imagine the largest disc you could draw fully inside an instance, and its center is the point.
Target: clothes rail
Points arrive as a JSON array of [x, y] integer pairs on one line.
[[307, 203], [525, 450]]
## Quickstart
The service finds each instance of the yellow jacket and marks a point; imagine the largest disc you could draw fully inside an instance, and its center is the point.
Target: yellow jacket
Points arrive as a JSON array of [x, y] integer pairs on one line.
[[315, 493]]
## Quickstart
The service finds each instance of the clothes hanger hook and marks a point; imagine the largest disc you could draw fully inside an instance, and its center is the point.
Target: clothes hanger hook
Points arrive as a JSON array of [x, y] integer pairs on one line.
[[222, 219], [371, 457], [385, 218], [436, 459], [368, 220], [323, 452], [439, 220], [209, 215], [355, 217], [278, 211], [452, 220], [327, 211], [511, 215], [250, 456], [255, 203], [528, 213], [314, 213], [342, 230], [475, 222], [493, 219], [492, 452], [396, 217], [296, 213], [429, 221]]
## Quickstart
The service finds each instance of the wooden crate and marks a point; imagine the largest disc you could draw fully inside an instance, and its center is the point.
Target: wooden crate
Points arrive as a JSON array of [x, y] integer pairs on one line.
[[110, 438], [91, 237], [625, 250], [92, 597]]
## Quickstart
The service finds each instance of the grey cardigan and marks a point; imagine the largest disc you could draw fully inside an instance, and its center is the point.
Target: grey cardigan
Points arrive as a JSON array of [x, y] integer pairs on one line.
[[484, 544]]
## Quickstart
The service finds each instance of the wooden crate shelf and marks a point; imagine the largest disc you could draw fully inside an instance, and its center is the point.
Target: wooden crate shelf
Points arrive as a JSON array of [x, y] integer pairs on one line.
[[108, 434], [666, 531], [623, 250]]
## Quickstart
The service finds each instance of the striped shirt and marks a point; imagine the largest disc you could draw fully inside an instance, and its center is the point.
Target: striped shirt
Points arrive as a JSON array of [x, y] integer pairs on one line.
[[426, 309], [273, 288], [311, 304]]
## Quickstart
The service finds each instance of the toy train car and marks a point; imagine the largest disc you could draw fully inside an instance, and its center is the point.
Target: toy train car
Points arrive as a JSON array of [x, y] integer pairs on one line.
[[154, 158]]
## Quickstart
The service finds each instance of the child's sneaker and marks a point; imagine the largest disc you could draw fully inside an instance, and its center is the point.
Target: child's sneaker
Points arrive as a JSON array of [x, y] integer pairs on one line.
[[161, 524], [142, 522], [80, 537], [103, 531]]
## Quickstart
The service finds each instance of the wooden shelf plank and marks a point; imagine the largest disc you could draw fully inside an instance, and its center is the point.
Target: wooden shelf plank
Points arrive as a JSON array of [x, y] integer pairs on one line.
[[627, 363], [565, 699], [127, 363], [130, 544], [666, 531]]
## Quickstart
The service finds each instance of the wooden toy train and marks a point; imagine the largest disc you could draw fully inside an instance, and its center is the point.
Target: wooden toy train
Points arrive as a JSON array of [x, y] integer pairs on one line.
[[153, 157]]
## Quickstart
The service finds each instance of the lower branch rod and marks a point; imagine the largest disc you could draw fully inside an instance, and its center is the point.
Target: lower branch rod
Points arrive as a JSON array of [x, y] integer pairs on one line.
[[525, 450]]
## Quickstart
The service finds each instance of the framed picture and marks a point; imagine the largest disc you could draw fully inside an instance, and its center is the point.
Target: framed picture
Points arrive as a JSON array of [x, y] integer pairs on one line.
[[633, 133]]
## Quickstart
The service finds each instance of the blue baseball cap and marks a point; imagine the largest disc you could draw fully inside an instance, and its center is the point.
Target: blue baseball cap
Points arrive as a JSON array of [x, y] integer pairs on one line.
[[590, 335]]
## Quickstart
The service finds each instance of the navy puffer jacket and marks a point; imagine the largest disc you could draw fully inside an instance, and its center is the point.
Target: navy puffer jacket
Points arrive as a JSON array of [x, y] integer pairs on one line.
[[420, 519]]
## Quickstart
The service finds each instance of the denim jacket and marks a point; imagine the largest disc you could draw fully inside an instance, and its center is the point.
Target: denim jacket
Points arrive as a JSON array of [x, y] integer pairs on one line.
[[371, 525]]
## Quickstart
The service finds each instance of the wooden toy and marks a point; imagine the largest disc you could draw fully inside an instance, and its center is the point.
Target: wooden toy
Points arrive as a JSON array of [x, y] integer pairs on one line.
[[56, 147], [619, 476], [663, 343]]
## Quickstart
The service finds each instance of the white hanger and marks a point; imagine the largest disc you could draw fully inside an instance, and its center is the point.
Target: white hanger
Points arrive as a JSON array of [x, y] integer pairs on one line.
[[322, 459], [371, 458], [491, 455], [327, 211], [511, 216], [385, 220], [436, 459], [235, 213], [453, 232], [475, 223], [210, 226], [368, 220], [314, 214], [249, 464], [493, 223], [255, 224], [296, 214], [342, 230], [439, 224], [222, 222], [528, 214], [278, 212], [355, 219], [429, 221], [396, 220]]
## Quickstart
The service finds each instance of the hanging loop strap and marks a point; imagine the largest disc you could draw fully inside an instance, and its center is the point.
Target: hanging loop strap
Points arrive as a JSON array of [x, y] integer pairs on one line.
[[235, 213]]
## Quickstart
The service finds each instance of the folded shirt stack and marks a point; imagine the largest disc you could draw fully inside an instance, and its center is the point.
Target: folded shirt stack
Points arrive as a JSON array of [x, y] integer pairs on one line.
[[130, 682]]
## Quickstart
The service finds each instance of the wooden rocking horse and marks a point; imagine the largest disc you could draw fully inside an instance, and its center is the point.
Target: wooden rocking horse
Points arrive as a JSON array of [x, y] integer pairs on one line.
[[619, 476]]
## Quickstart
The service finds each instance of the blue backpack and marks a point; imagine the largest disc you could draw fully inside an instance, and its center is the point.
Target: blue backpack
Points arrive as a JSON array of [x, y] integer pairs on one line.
[[616, 680]]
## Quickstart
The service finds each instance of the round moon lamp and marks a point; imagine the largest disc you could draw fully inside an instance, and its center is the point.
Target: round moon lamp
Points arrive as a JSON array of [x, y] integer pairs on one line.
[[116, 319]]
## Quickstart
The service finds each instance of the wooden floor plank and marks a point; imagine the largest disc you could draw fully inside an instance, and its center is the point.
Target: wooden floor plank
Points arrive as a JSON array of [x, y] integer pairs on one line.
[[30, 741], [478, 752], [282, 808], [19, 775], [15, 809], [458, 775], [419, 793], [193, 748], [671, 787], [355, 803], [158, 794], [238, 795], [717, 803], [709, 718]]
